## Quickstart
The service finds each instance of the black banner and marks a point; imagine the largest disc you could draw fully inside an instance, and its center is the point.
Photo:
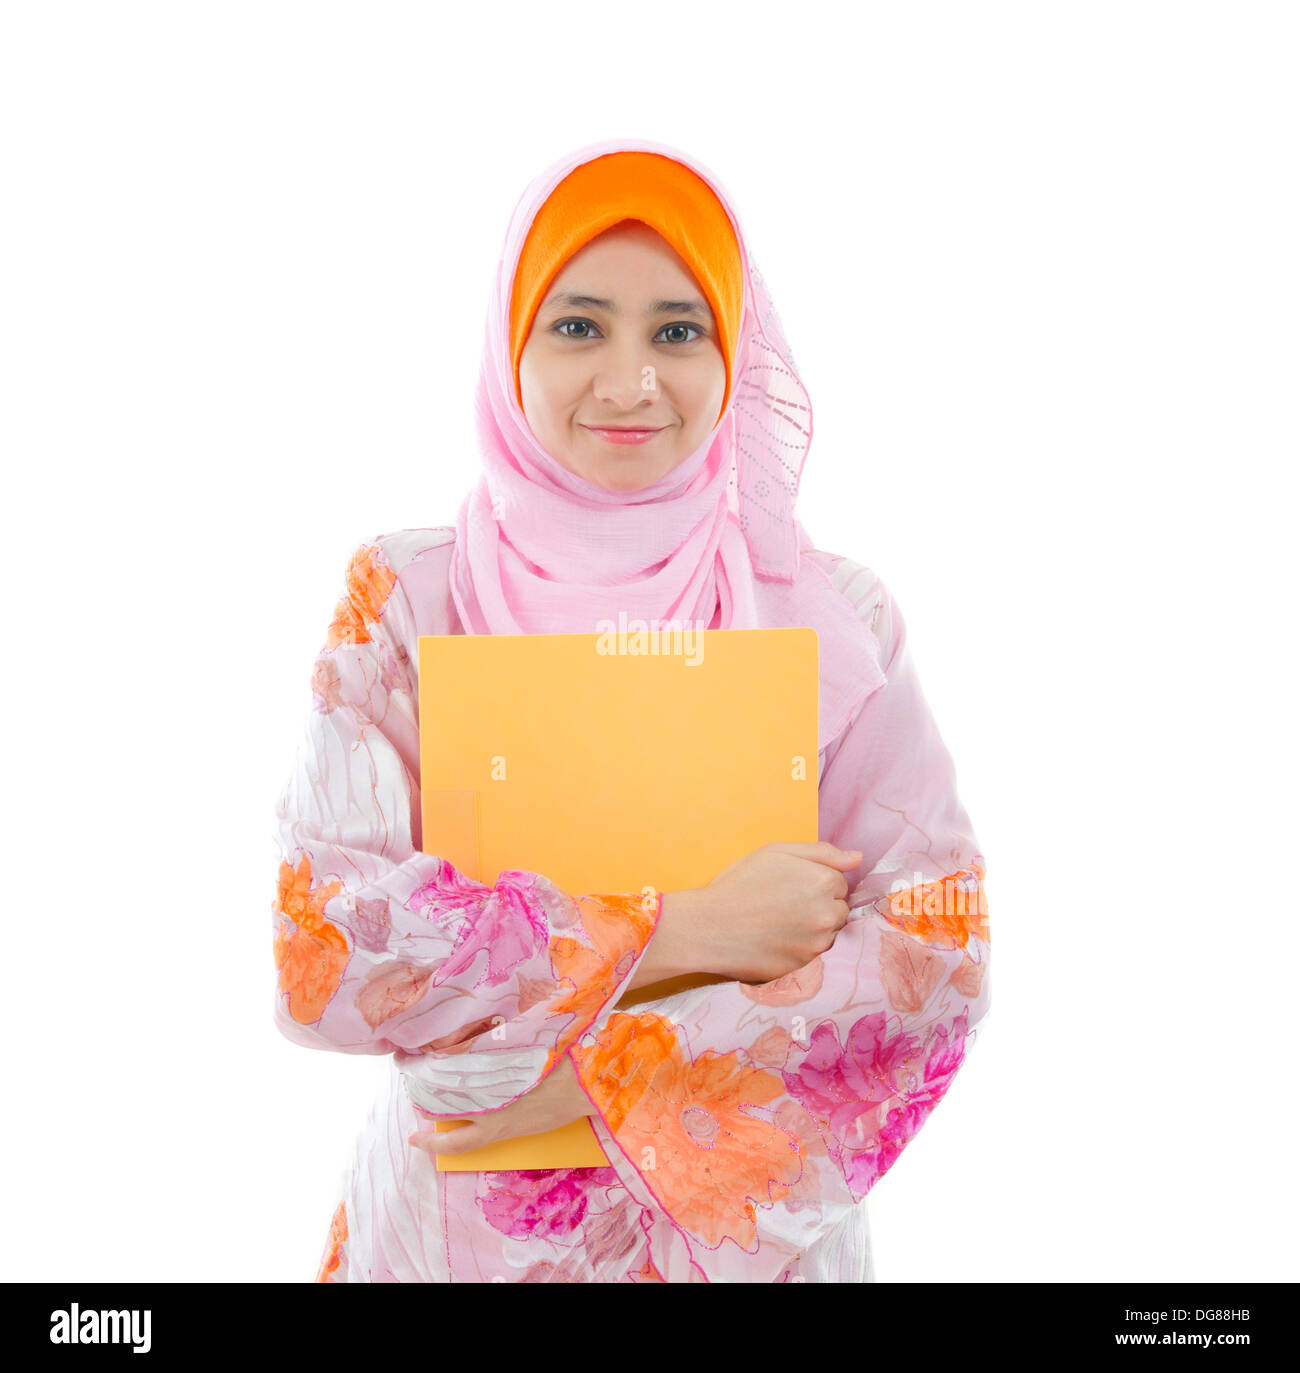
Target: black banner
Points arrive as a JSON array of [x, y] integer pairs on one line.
[[94, 1321]]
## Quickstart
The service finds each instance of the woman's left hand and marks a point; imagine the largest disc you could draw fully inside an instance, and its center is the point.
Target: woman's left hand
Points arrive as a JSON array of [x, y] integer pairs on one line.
[[556, 1100]]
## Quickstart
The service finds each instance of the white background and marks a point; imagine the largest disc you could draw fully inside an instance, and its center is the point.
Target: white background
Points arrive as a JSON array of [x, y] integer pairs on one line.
[[1037, 263]]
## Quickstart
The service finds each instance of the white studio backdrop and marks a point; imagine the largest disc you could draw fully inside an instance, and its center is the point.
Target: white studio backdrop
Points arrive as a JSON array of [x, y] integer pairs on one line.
[[1037, 265]]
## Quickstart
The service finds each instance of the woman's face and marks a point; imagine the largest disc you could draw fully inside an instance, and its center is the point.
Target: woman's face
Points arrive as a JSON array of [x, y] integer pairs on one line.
[[624, 340]]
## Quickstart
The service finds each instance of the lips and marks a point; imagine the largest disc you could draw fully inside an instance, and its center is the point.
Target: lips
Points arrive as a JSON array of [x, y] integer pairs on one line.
[[626, 428], [623, 434]]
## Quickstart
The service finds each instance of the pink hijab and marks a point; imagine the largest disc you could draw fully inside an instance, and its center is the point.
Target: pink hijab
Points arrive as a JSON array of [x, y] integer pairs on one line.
[[715, 542]]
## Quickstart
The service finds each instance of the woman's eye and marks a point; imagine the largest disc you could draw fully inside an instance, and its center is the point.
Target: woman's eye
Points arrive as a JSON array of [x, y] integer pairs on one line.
[[566, 324], [670, 327]]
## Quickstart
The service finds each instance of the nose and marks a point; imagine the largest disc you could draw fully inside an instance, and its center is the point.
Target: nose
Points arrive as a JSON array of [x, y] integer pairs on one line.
[[625, 378]]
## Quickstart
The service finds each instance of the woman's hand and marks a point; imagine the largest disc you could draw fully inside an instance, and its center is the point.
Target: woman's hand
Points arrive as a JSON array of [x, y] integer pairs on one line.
[[770, 913], [556, 1100]]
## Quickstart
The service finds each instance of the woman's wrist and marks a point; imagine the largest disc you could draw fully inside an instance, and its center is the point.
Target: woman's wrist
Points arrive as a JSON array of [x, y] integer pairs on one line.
[[675, 949]]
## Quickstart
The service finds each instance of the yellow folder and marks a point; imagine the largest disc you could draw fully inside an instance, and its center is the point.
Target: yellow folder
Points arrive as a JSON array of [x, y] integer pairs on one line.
[[618, 763]]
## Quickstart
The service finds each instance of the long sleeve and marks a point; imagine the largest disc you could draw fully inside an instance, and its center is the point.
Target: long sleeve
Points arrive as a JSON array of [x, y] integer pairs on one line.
[[382, 948], [758, 1116]]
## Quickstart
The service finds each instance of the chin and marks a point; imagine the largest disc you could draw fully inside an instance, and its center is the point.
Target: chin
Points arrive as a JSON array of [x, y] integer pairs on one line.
[[623, 481]]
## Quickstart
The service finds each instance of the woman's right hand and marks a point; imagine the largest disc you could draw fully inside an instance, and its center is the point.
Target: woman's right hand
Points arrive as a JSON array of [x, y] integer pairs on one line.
[[771, 912]]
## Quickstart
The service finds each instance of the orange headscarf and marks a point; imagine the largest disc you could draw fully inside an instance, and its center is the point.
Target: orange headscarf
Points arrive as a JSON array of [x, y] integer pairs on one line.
[[656, 190]]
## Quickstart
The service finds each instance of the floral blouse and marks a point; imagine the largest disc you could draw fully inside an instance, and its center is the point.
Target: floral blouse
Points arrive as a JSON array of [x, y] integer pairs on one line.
[[744, 1124]]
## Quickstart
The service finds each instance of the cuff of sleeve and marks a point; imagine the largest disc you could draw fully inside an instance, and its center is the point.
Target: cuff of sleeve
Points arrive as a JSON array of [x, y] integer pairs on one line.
[[591, 977], [619, 929]]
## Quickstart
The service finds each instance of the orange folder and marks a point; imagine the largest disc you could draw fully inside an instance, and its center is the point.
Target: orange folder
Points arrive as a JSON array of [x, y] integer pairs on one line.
[[613, 763]]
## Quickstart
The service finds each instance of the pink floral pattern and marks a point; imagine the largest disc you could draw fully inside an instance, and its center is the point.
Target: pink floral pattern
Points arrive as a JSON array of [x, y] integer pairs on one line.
[[548, 1202], [873, 1093], [505, 923]]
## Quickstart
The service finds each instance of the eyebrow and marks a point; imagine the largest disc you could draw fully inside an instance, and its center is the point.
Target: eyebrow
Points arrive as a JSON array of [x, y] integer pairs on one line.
[[656, 307]]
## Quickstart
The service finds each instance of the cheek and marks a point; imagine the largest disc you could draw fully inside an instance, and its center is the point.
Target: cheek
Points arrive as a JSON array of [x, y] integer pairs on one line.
[[699, 390], [551, 391]]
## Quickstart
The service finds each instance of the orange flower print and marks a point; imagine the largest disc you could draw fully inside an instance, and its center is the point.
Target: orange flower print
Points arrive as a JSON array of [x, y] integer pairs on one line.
[[391, 988], [791, 1116], [310, 953], [619, 927], [944, 912], [771, 1048], [646, 1273], [329, 1263], [368, 585], [909, 971], [327, 684], [969, 977], [801, 985], [684, 1126]]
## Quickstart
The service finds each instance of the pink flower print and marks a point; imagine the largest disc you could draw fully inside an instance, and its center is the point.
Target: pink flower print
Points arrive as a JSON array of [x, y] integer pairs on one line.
[[546, 1203], [871, 1093], [395, 671], [846, 1087], [903, 1120], [502, 921], [839, 1084]]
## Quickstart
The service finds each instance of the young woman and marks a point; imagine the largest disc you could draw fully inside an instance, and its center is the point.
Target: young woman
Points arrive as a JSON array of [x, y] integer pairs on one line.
[[643, 431]]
